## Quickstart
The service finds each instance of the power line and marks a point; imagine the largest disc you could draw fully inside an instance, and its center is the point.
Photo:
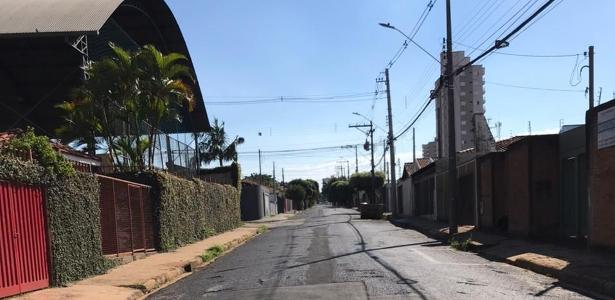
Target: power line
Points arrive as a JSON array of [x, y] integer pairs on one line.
[[317, 96], [518, 14], [415, 30], [521, 54], [296, 100], [534, 88], [429, 100], [538, 19], [482, 18], [304, 149], [481, 56], [504, 41]]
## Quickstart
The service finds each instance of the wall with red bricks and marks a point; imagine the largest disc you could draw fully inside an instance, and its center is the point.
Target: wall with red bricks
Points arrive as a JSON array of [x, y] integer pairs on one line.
[[516, 173], [544, 198], [602, 186]]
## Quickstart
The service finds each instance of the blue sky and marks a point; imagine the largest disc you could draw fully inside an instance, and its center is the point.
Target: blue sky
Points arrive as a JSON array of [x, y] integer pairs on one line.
[[245, 50]]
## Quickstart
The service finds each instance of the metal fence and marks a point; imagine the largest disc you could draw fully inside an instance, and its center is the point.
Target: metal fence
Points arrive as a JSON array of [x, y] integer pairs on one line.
[[127, 222], [23, 239]]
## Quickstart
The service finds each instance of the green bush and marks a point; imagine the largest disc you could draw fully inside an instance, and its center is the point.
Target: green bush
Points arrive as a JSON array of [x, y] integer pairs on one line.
[[363, 181], [186, 211], [311, 191], [340, 193], [41, 150], [296, 193], [73, 218]]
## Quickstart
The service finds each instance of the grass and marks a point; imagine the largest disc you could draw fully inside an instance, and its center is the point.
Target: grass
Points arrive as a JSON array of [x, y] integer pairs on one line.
[[461, 245], [212, 253], [261, 229]]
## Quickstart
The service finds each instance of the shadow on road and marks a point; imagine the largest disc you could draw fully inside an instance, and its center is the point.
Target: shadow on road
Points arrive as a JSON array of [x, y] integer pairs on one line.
[[409, 282]]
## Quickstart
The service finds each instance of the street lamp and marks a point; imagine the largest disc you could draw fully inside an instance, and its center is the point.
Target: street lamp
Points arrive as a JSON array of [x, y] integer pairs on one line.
[[389, 26], [368, 120]]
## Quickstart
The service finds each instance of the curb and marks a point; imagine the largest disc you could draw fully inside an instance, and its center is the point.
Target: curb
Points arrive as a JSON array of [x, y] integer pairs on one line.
[[159, 281], [588, 283]]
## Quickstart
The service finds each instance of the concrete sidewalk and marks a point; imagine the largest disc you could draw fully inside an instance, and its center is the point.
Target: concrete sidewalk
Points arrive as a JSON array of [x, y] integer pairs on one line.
[[140, 277], [592, 271]]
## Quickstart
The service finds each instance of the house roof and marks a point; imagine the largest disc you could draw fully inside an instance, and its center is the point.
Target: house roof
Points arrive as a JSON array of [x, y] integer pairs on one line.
[[28, 17], [501, 145], [410, 168], [59, 147], [7, 136]]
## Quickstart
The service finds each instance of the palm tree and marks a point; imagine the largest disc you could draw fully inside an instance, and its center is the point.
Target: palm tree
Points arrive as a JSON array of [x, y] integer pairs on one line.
[[163, 89], [95, 107], [126, 96], [215, 145]]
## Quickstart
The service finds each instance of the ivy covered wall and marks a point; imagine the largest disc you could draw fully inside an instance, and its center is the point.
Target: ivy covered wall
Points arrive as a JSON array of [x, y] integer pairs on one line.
[[73, 218], [186, 211]]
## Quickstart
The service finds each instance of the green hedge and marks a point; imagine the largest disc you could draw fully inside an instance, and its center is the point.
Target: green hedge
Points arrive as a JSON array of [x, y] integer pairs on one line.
[[186, 211], [340, 193], [73, 218]]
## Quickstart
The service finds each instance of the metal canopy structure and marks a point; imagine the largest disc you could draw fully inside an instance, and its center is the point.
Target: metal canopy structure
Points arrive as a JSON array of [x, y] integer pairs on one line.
[[45, 43], [36, 17]]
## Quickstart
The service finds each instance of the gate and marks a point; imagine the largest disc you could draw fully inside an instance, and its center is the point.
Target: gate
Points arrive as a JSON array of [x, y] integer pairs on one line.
[[126, 217], [23, 239]]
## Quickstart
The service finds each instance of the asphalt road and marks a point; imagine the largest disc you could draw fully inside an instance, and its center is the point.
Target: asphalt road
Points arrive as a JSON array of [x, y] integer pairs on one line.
[[329, 253]]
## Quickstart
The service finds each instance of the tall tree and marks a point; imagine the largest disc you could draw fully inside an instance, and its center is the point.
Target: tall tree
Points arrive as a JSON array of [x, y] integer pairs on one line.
[[125, 99], [163, 89], [215, 145]]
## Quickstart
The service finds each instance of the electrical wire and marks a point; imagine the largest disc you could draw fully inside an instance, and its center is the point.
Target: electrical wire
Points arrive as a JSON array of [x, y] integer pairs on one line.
[[415, 30], [480, 20], [537, 19], [316, 96], [350, 146], [520, 54], [512, 20], [534, 88], [415, 119], [296, 100]]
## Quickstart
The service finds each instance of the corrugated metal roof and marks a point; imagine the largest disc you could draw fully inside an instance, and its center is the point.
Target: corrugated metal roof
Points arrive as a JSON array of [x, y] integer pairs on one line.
[[32, 17]]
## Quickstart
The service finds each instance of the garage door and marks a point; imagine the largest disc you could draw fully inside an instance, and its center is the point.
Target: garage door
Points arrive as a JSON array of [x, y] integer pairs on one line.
[[23, 239]]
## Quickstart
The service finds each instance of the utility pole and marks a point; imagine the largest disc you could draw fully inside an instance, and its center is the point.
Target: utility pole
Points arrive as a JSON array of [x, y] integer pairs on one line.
[[275, 195], [348, 168], [591, 77], [356, 159], [384, 155], [260, 173], [414, 146], [452, 147], [371, 134], [371, 137], [391, 142], [283, 177]]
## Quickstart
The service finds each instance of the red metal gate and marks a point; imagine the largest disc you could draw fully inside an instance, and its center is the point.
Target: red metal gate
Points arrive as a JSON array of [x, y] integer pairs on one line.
[[23, 239], [126, 217]]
